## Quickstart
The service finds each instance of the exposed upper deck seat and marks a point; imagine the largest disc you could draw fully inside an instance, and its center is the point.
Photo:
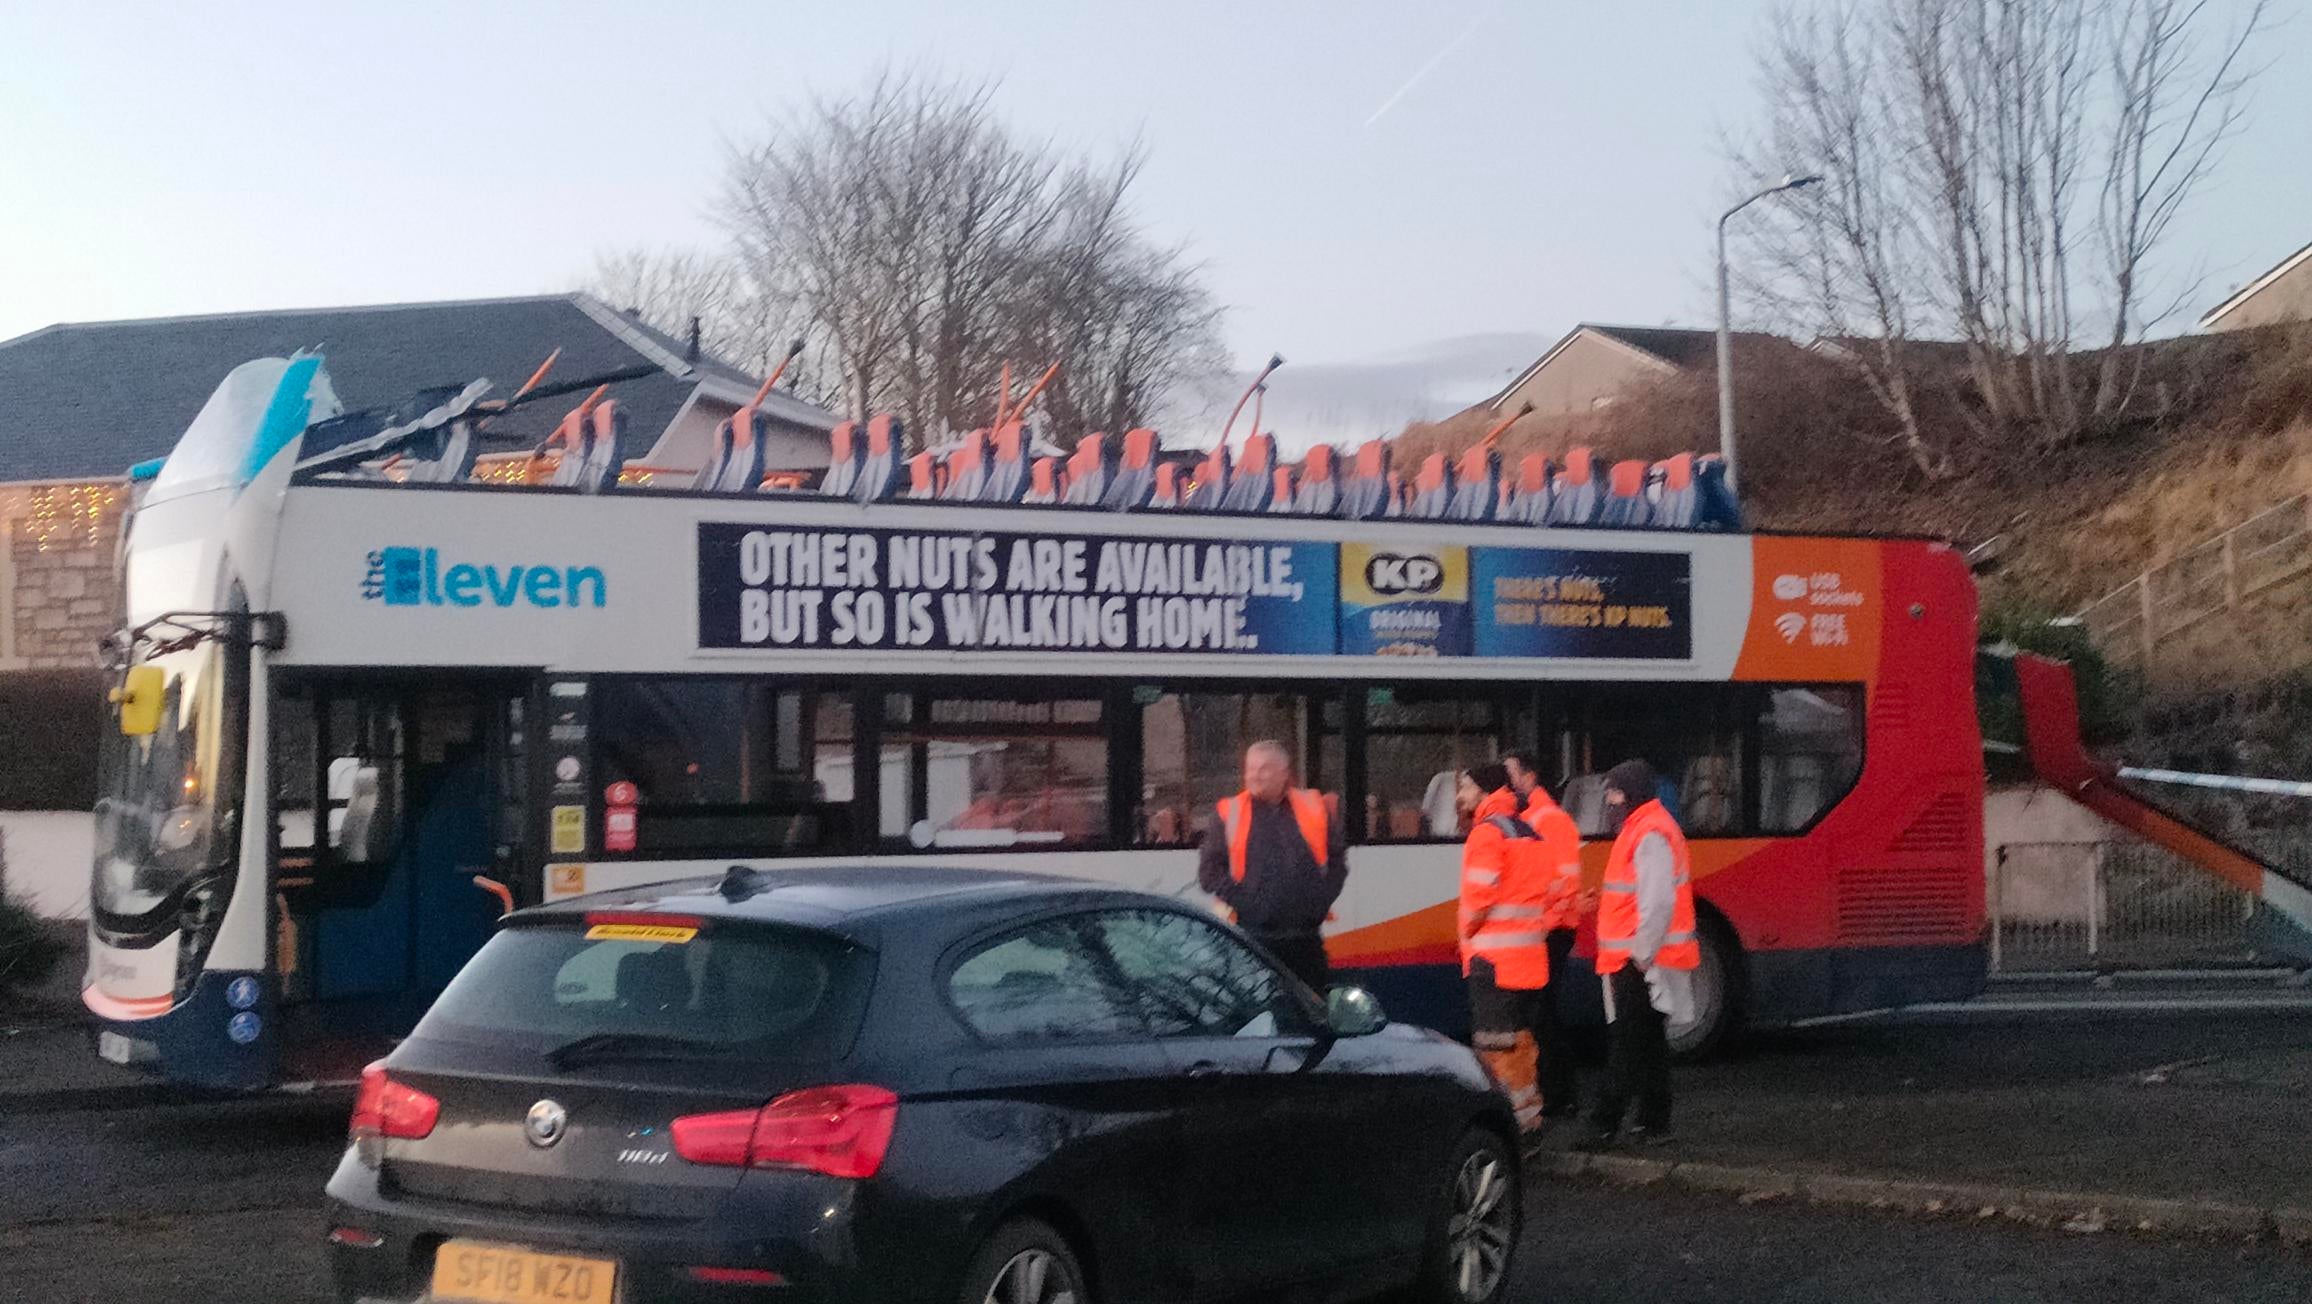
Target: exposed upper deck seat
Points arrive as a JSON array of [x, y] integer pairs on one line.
[[1670, 492], [842, 461], [1090, 469], [1433, 488], [922, 477], [1370, 493], [1715, 505], [1135, 477], [1209, 487], [1043, 482], [1006, 480], [879, 467], [1166, 491], [1318, 492], [737, 464], [1574, 494], [1283, 486], [1477, 488], [592, 451], [1252, 481], [1527, 491], [1625, 503], [967, 469]]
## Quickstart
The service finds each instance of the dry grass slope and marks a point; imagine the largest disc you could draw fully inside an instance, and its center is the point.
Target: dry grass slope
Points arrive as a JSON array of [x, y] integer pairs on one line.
[[2222, 429]]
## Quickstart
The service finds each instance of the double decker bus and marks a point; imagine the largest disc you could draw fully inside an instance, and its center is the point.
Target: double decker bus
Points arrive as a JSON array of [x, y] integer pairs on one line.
[[366, 707]]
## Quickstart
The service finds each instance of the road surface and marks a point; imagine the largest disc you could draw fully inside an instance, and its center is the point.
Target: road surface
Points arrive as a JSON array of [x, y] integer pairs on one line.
[[219, 1201]]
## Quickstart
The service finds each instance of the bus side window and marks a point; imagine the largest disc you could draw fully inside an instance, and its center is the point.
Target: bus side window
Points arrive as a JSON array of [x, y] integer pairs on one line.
[[350, 750], [364, 804], [1809, 753], [1192, 755]]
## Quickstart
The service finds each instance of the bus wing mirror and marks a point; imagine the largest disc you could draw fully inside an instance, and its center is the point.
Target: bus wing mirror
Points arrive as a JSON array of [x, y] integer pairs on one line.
[[139, 699]]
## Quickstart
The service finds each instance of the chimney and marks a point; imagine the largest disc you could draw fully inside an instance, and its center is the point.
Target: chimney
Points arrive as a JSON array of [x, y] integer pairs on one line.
[[690, 354]]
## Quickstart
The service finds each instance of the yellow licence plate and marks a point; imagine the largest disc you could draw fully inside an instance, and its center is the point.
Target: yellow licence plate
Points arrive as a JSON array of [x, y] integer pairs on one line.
[[473, 1272]]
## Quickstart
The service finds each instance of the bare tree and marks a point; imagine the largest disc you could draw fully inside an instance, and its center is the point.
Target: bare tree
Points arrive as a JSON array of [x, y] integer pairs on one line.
[[1992, 164], [1842, 260], [924, 245], [2175, 114]]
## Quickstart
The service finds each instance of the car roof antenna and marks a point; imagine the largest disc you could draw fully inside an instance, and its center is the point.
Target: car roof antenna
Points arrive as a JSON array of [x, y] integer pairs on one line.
[[739, 882]]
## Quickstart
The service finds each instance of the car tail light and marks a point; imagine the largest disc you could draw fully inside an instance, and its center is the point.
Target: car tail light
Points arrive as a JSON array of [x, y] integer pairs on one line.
[[840, 1131], [389, 1108], [355, 1238]]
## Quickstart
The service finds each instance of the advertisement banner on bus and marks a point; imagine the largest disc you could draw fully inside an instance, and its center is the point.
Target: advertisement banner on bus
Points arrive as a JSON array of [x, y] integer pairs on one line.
[[1404, 600], [1566, 602], [941, 591]]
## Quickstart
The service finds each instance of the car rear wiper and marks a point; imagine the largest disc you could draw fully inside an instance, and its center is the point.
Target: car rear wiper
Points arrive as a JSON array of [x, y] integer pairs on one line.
[[631, 1046]]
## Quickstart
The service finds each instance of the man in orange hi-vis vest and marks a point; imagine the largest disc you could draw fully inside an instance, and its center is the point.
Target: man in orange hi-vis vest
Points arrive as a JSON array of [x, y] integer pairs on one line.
[[1274, 855], [1561, 850], [1647, 952], [1504, 946]]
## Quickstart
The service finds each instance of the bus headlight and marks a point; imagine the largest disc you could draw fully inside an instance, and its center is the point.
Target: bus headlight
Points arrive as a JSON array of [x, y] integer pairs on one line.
[[182, 828]]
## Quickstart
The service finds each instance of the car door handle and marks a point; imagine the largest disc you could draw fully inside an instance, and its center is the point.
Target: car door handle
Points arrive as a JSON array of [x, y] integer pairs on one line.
[[1204, 1069]]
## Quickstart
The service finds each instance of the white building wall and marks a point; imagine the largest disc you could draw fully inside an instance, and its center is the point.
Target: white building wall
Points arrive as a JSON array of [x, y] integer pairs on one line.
[[2048, 884], [47, 857]]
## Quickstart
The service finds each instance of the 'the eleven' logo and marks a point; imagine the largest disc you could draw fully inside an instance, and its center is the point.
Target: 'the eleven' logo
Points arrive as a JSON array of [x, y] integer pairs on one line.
[[417, 577]]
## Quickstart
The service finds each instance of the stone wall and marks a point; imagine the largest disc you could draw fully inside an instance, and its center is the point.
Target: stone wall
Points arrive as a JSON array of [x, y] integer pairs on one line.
[[59, 586]]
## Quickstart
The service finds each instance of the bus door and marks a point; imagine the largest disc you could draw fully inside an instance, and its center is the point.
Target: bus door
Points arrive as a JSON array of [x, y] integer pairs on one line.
[[391, 801]]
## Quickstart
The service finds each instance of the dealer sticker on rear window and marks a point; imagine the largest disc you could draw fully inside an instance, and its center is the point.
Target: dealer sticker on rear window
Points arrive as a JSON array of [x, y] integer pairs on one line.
[[640, 933]]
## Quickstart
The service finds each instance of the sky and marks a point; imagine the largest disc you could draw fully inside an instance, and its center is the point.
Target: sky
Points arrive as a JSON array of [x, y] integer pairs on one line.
[[1359, 178]]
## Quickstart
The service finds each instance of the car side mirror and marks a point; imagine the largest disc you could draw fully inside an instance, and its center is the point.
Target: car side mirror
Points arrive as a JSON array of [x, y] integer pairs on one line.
[[1354, 1012]]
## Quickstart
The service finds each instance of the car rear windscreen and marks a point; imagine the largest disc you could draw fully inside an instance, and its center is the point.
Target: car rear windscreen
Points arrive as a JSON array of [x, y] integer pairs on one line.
[[741, 991]]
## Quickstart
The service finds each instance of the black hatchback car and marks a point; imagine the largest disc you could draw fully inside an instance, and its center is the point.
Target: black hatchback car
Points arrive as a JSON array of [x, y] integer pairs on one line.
[[885, 1085]]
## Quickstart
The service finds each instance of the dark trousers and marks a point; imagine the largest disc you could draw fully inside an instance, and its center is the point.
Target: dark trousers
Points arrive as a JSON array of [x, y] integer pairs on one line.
[[1560, 1089], [1303, 954], [1637, 1057]]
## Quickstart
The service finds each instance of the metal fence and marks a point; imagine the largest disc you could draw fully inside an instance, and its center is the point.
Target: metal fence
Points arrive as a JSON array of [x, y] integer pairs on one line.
[[2263, 552], [2113, 905]]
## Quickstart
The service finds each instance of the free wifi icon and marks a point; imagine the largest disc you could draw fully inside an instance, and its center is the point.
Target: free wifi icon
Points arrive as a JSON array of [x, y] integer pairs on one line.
[[1788, 624]]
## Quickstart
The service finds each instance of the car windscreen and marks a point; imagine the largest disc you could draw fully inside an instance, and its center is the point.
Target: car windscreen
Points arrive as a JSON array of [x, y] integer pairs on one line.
[[716, 990]]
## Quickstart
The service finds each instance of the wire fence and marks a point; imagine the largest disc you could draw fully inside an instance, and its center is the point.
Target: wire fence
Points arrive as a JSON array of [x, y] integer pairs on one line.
[[2114, 905]]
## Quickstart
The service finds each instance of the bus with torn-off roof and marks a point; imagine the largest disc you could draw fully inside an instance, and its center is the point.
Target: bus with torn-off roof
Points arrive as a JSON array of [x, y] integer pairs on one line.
[[377, 686]]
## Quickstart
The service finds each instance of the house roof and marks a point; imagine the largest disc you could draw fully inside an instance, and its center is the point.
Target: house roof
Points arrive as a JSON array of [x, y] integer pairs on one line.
[[82, 400], [1949, 353], [1677, 347], [2255, 287]]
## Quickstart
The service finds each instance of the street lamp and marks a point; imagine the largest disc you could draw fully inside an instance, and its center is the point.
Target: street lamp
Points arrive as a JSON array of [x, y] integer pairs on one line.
[[1726, 327]]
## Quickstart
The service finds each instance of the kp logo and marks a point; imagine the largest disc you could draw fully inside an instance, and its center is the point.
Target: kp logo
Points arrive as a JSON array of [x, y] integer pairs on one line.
[[1389, 573]]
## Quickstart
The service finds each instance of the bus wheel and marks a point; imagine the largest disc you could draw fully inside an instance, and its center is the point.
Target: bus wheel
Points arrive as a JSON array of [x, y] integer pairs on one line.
[[1717, 994]]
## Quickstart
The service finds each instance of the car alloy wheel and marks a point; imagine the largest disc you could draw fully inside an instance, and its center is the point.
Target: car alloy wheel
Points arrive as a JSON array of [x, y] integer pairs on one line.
[[1480, 1228], [1033, 1276]]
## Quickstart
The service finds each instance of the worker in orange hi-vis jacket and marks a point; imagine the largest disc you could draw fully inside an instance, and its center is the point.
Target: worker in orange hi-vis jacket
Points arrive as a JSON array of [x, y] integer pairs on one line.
[[1504, 947], [1567, 903], [1274, 855], [1647, 953]]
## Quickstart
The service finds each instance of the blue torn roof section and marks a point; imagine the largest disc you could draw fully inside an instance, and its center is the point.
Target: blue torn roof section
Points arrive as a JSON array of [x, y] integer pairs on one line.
[[90, 400]]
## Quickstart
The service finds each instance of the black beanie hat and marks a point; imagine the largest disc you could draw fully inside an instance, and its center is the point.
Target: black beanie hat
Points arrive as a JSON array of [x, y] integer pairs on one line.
[[1634, 779]]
